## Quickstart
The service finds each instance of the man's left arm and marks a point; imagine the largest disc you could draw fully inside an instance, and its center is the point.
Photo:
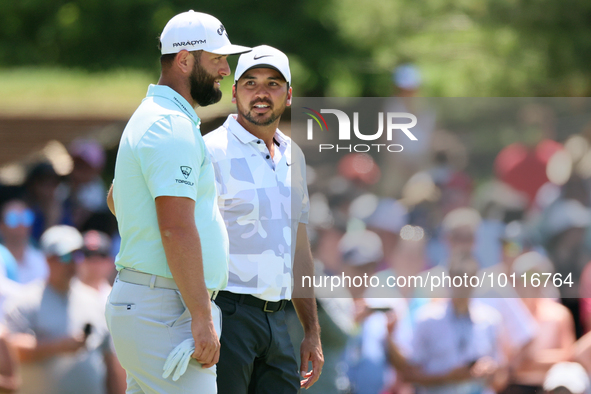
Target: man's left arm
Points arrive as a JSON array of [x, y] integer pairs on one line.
[[110, 201], [310, 349], [115, 377]]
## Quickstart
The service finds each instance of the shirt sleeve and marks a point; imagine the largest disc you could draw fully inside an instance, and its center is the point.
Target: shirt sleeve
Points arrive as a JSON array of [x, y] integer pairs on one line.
[[419, 345], [170, 154], [9, 263], [19, 318]]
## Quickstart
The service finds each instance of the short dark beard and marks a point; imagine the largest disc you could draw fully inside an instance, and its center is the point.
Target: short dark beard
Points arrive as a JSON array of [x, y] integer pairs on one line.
[[257, 122], [203, 90]]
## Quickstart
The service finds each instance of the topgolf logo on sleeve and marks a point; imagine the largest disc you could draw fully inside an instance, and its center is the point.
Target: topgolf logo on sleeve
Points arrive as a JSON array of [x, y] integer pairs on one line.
[[186, 171]]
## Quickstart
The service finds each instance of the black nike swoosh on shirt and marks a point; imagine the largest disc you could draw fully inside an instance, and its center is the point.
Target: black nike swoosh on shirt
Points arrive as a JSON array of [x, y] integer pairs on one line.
[[261, 56], [288, 164]]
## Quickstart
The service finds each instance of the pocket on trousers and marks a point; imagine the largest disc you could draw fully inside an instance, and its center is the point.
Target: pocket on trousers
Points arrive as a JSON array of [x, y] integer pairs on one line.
[[173, 310], [228, 308], [183, 318], [121, 321]]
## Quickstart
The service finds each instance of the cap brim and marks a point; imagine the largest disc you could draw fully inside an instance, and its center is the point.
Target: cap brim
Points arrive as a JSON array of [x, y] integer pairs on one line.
[[262, 65], [231, 50]]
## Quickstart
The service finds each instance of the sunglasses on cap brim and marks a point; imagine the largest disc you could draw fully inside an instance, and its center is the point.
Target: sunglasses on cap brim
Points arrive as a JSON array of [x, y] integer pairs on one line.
[[73, 257], [14, 219]]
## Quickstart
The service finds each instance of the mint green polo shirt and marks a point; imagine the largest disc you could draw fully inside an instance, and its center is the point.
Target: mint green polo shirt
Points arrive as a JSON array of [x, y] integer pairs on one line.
[[162, 153]]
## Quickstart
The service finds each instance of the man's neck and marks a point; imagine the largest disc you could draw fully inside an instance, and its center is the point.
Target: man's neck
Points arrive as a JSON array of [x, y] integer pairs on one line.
[[17, 249], [265, 133], [461, 306], [59, 287], [179, 87]]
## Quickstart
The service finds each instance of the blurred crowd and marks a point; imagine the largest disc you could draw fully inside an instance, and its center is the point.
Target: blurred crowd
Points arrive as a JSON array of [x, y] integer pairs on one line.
[[424, 213], [388, 215], [58, 242]]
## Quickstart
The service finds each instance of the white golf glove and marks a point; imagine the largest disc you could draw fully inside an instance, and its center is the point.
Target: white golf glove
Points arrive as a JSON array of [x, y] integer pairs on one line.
[[179, 358]]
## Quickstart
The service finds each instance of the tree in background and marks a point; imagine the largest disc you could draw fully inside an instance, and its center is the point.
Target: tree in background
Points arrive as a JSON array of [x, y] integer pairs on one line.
[[337, 47]]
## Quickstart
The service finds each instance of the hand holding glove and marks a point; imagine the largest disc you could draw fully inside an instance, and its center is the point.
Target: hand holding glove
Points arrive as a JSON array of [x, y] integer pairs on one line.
[[179, 358]]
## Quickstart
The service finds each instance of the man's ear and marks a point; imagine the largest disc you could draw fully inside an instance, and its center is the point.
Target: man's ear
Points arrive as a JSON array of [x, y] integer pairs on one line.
[[234, 93], [184, 61], [288, 102]]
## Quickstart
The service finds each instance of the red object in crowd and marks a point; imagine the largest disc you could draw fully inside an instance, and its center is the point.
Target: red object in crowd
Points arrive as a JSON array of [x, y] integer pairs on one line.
[[523, 168], [359, 167]]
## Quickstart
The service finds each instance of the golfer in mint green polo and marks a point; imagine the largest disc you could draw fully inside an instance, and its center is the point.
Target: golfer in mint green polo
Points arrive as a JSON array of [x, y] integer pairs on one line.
[[174, 245]]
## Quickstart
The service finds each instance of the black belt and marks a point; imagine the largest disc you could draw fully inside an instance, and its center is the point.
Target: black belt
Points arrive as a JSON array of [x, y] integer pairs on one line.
[[247, 299]]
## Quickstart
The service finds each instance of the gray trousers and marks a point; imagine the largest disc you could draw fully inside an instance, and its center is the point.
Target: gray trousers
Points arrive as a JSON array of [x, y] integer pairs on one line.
[[256, 352], [146, 324]]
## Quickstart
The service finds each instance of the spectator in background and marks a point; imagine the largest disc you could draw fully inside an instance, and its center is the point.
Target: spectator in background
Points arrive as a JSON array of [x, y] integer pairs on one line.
[[8, 268], [9, 379], [364, 354], [564, 225], [59, 328], [360, 252], [555, 335], [518, 325], [522, 165], [459, 227], [360, 169], [457, 236], [456, 346], [8, 290], [87, 190], [386, 221], [97, 270], [15, 229], [406, 85], [566, 378], [329, 215], [42, 194]]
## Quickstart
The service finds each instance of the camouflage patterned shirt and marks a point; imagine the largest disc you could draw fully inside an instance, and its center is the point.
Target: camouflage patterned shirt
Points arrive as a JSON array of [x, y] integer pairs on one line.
[[262, 200]]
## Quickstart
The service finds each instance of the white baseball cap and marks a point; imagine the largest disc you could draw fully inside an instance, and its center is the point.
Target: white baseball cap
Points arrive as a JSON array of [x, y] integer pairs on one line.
[[571, 376], [60, 240], [389, 215], [360, 248], [263, 56], [195, 31]]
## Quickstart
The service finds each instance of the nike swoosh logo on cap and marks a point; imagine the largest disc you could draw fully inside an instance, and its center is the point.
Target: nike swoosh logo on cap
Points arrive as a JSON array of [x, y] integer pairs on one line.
[[261, 56]]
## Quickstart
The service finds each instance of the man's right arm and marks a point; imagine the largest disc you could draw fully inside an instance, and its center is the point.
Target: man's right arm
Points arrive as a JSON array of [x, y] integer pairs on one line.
[[9, 377], [29, 350], [182, 246]]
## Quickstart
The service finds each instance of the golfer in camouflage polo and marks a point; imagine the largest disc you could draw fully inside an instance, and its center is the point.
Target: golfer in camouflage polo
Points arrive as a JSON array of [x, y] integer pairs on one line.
[[263, 199]]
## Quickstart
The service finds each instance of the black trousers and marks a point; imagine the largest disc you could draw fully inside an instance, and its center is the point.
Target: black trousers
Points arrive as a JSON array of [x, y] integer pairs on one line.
[[256, 353], [523, 389]]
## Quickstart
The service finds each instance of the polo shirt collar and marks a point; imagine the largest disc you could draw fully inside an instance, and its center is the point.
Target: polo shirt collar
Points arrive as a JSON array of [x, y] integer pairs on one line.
[[172, 95], [244, 135]]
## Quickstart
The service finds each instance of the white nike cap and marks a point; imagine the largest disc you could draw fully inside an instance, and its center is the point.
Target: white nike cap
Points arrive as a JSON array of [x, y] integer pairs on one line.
[[263, 56], [195, 31]]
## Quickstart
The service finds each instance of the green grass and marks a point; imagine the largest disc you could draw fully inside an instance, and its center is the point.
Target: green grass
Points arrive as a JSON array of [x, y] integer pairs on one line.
[[73, 93]]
